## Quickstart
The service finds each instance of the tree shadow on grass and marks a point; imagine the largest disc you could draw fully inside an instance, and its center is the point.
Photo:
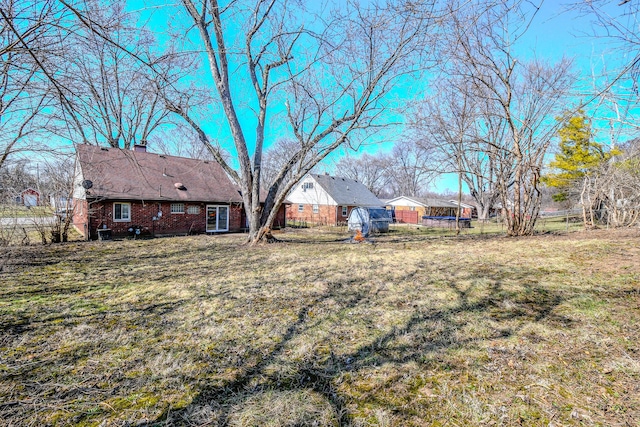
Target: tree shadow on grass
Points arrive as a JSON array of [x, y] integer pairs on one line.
[[530, 303], [23, 324]]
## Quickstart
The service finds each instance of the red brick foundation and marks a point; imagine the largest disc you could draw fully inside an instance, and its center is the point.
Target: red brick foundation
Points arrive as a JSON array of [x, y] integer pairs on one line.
[[99, 215]]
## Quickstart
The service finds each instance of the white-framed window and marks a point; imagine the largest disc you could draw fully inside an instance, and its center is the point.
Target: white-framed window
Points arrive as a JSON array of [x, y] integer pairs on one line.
[[300, 208], [193, 210], [412, 208], [177, 208], [307, 186], [344, 211], [122, 212], [316, 208]]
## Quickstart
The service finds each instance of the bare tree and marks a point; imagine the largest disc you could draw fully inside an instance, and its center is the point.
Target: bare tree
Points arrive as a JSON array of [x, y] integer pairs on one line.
[[371, 170], [615, 187], [179, 140], [446, 126], [23, 94], [616, 21], [57, 177], [410, 168], [109, 95], [464, 135], [326, 72], [16, 176], [615, 75], [93, 68], [524, 96], [275, 158]]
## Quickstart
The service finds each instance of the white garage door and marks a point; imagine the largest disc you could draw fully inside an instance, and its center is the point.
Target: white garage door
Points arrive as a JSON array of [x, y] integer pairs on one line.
[[30, 199]]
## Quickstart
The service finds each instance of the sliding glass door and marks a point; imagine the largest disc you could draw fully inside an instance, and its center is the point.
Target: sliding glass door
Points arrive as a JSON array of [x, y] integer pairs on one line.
[[217, 218]]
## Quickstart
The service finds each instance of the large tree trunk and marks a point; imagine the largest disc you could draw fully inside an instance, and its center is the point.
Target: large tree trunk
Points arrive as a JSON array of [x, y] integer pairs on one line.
[[484, 212], [320, 120], [256, 228]]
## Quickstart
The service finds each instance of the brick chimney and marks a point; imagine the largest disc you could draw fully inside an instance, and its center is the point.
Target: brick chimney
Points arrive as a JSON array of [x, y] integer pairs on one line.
[[140, 148]]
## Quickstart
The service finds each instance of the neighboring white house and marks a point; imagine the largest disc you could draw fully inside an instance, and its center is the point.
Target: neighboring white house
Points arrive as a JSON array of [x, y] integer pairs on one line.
[[326, 199], [411, 209]]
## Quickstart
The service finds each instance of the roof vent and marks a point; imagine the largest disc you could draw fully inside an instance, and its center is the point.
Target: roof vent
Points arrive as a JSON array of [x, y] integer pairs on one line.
[[104, 148], [87, 184], [180, 186]]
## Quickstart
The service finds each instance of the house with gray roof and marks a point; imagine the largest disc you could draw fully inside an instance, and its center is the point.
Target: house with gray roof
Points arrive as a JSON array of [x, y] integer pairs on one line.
[[411, 209], [326, 199]]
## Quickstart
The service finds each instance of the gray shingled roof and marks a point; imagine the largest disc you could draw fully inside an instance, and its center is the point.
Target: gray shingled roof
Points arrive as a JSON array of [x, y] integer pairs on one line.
[[129, 175], [436, 203], [428, 202], [347, 191]]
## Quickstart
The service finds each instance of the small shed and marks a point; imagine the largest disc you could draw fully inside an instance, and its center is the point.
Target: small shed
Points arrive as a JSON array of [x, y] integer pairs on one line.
[[30, 197], [369, 220]]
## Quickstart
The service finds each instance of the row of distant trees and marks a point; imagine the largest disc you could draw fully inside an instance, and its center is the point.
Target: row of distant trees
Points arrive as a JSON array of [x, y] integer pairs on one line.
[[493, 117], [305, 80]]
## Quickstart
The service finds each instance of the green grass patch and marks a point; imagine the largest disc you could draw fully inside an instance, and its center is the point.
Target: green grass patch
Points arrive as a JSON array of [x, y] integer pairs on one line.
[[19, 211], [415, 328]]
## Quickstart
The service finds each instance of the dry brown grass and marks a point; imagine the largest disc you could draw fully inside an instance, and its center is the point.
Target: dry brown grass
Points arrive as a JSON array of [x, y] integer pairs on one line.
[[407, 331]]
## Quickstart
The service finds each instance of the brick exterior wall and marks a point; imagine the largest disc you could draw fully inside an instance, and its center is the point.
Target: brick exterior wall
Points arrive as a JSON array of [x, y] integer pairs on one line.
[[281, 221], [278, 221], [101, 216], [326, 215], [168, 223]]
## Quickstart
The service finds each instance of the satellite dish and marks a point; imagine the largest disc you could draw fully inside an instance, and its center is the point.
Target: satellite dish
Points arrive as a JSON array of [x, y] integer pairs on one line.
[[87, 184]]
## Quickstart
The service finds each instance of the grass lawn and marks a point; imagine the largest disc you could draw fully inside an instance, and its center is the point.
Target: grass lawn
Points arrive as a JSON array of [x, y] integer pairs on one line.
[[543, 225], [19, 211], [413, 330]]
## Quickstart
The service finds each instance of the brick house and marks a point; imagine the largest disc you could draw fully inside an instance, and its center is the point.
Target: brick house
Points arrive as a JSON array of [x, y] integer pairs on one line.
[[136, 192], [325, 199]]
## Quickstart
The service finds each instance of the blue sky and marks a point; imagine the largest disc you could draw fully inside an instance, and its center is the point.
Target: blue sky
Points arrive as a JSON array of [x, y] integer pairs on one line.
[[555, 32]]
